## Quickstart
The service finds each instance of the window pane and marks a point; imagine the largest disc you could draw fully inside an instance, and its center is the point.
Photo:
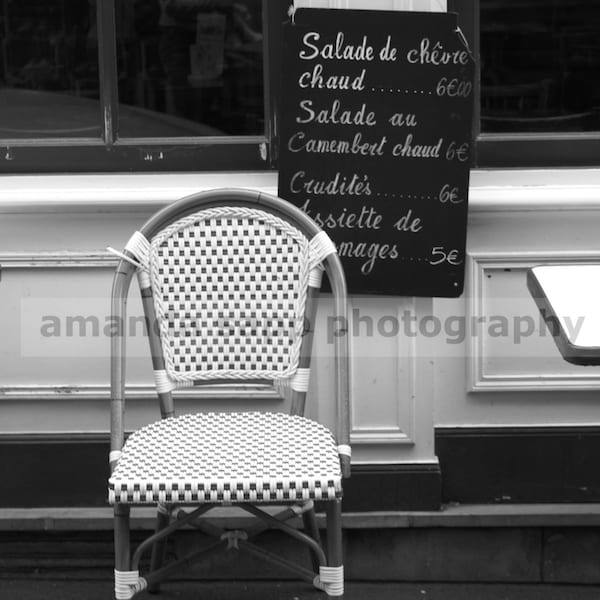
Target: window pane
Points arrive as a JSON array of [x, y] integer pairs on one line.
[[190, 68], [540, 61], [49, 70]]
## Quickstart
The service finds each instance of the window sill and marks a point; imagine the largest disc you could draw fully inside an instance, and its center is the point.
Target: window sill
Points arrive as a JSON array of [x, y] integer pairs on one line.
[[498, 190], [524, 190], [117, 192]]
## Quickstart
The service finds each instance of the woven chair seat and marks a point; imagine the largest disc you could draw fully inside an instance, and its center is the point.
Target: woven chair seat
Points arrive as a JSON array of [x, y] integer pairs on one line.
[[228, 457]]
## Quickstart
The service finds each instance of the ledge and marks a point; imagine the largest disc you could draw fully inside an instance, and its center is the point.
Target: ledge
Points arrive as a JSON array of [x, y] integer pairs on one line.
[[463, 516], [491, 190], [124, 192]]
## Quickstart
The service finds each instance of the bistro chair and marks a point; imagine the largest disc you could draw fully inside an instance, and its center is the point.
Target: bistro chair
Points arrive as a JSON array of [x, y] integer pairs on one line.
[[229, 281]]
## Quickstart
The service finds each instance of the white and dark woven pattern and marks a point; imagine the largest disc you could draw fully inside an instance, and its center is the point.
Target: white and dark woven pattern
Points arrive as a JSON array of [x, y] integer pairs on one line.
[[229, 288], [228, 457]]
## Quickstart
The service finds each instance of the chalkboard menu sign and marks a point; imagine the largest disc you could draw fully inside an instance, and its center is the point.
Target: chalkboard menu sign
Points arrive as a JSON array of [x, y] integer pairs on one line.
[[375, 145]]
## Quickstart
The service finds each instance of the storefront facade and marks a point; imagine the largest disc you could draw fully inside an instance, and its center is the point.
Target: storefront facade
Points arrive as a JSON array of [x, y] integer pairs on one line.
[[453, 400]]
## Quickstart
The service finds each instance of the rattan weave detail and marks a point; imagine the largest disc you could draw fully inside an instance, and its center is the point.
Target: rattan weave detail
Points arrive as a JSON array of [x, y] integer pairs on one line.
[[229, 288], [228, 457]]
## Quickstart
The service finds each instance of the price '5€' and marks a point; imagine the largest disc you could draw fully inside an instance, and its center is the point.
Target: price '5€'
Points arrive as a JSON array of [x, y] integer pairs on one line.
[[441, 255]]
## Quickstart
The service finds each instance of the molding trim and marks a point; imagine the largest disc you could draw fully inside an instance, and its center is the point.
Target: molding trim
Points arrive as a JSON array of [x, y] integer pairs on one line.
[[70, 259], [39, 465], [393, 435], [478, 465], [550, 464], [139, 392], [478, 380]]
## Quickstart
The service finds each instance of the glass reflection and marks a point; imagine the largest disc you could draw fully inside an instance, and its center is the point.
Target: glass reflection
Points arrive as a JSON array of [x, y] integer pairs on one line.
[[196, 64], [540, 61], [49, 70]]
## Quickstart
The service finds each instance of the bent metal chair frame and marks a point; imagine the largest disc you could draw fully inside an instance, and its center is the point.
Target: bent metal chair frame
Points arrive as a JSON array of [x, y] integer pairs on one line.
[[215, 268]]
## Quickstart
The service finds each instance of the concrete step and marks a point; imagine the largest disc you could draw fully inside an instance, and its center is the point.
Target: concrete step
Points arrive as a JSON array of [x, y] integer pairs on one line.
[[56, 589], [455, 515], [512, 544]]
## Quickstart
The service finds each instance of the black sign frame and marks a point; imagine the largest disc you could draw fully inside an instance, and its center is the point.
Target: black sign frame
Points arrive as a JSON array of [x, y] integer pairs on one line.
[[375, 143]]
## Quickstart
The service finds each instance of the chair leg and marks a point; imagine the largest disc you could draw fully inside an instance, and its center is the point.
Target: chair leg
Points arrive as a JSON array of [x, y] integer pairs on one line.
[[333, 574], [159, 549], [309, 520], [122, 548]]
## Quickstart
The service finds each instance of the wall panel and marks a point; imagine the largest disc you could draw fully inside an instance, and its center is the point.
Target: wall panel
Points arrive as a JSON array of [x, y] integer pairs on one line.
[[55, 291]]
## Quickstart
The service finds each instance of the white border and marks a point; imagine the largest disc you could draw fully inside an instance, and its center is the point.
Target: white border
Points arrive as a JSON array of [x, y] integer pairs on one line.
[[477, 379]]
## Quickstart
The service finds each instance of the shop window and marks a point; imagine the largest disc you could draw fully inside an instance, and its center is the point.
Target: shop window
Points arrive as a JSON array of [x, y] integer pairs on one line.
[[163, 85], [539, 91], [196, 66], [138, 84]]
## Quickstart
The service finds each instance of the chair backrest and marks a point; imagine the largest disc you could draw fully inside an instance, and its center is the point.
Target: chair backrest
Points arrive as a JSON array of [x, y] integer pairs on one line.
[[230, 287], [229, 281]]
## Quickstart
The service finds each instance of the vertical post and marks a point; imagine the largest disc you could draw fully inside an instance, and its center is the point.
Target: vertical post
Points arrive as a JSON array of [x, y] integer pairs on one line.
[[158, 361], [122, 544], [304, 362], [342, 356], [159, 549], [107, 55], [120, 289], [335, 551], [309, 520], [334, 533]]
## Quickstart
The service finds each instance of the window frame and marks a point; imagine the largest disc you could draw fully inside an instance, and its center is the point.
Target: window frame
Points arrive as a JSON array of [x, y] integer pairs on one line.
[[109, 153], [526, 150]]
